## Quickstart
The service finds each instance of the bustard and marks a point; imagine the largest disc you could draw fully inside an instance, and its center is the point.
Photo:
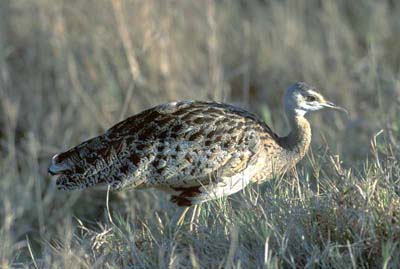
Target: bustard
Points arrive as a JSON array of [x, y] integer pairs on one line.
[[195, 150]]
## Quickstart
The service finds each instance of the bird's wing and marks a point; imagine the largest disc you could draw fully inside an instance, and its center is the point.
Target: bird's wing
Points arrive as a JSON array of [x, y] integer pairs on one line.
[[176, 144]]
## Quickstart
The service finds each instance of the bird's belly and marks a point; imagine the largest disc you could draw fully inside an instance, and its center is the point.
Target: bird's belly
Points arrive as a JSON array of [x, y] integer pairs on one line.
[[225, 186], [214, 190], [230, 185], [272, 167]]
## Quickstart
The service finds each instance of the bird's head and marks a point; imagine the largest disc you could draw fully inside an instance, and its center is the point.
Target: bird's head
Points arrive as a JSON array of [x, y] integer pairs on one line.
[[301, 98]]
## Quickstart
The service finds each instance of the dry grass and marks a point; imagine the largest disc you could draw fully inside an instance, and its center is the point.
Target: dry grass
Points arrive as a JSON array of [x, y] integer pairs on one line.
[[70, 69]]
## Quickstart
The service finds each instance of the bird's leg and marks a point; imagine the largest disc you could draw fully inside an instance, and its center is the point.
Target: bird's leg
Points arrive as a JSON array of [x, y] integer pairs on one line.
[[182, 217], [195, 218], [178, 218]]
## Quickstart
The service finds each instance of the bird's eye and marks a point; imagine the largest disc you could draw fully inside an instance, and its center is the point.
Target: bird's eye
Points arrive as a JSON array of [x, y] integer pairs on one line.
[[311, 98]]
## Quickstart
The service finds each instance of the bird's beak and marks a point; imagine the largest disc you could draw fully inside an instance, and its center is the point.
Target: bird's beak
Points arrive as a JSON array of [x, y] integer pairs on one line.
[[333, 106]]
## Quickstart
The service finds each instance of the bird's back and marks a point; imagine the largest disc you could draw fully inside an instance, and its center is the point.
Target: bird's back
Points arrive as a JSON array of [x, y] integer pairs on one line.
[[179, 144]]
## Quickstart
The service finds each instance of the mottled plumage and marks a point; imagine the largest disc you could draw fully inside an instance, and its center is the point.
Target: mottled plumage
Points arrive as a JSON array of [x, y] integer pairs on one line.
[[194, 150]]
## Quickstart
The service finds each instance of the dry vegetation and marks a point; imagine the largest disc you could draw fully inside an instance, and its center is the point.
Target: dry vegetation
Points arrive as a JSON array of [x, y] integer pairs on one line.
[[70, 69]]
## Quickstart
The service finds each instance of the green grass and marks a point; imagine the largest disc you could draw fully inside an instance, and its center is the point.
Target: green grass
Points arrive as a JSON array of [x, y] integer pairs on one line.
[[70, 69]]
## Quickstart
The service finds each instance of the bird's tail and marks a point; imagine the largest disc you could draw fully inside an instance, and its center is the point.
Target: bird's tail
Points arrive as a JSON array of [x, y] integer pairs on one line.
[[94, 161]]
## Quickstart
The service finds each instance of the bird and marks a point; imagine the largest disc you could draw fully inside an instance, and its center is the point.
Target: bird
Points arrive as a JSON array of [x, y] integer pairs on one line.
[[194, 150]]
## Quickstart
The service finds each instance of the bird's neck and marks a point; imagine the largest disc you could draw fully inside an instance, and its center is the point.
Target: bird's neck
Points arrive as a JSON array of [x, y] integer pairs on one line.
[[299, 139]]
